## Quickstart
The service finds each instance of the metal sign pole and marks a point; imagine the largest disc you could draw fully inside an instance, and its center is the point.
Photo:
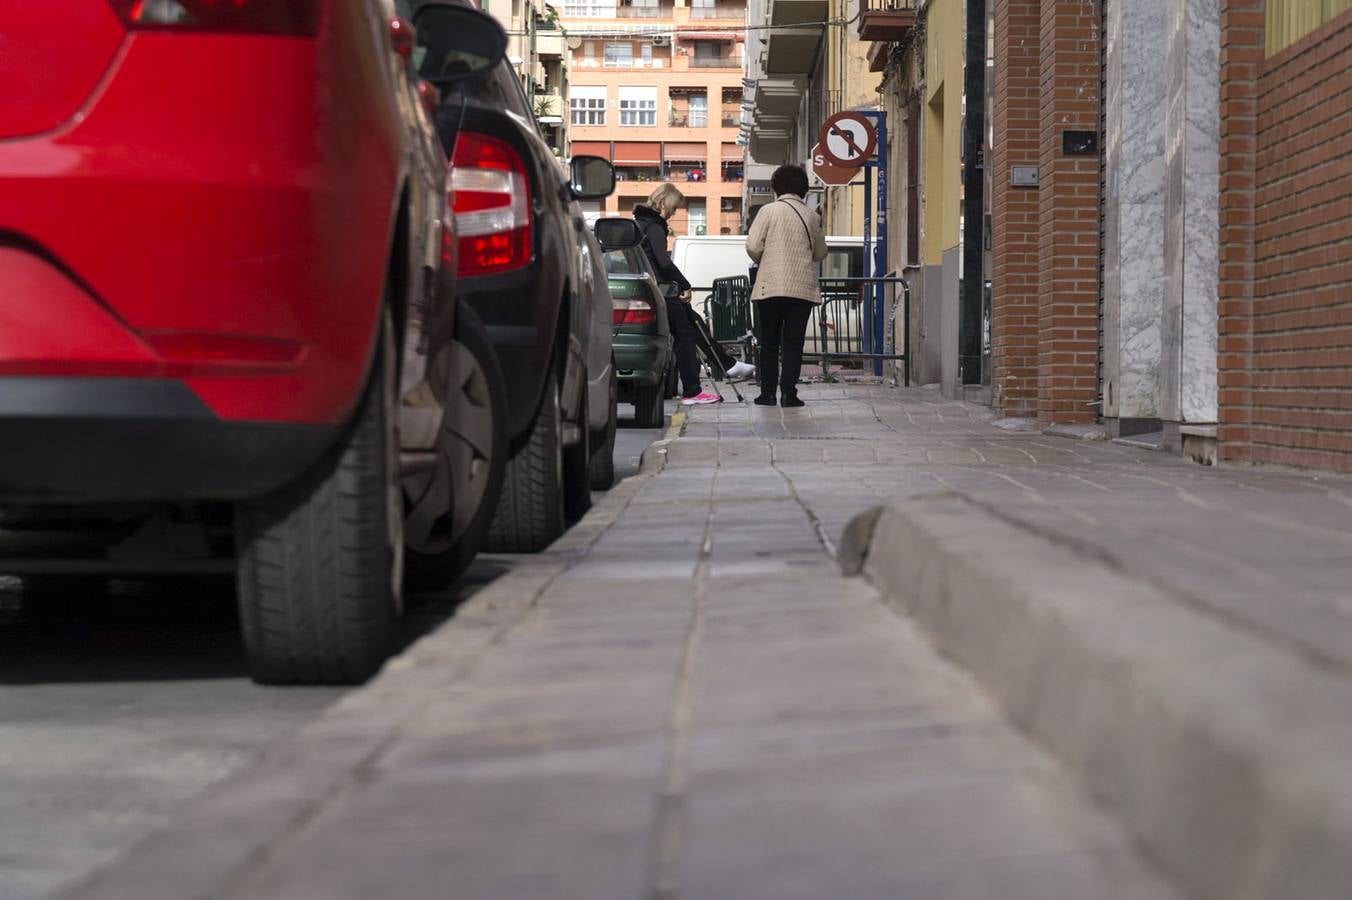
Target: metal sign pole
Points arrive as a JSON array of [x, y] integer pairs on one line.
[[868, 263], [880, 243]]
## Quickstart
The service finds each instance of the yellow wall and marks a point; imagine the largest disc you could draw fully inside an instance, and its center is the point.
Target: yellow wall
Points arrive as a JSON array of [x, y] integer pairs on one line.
[[1290, 20], [941, 150]]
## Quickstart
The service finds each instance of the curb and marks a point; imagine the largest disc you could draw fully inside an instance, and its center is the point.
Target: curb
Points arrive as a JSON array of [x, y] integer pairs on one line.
[[239, 824], [1226, 754], [654, 458]]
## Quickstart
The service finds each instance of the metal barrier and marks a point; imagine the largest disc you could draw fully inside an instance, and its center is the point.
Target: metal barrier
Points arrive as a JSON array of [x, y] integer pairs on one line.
[[845, 330]]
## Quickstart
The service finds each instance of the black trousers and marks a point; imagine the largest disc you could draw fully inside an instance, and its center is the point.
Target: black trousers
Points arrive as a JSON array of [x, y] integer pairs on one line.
[[783, 324], [687, 343]]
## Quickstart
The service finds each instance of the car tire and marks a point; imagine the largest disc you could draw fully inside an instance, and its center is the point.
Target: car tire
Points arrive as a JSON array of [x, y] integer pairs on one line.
[[603, 446], [320, 560], [530, 514], [577, 468], [473, 458], [672, 382], [649, 407]]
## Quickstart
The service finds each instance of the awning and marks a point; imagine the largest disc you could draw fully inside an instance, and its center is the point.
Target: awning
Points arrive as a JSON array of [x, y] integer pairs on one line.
[[636, 153], [592, 148], [685, 152], [707, 36], [731, 153]]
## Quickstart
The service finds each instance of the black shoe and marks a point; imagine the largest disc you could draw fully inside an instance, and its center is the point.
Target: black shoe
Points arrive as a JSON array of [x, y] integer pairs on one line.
[[765, 400], [791, 400]]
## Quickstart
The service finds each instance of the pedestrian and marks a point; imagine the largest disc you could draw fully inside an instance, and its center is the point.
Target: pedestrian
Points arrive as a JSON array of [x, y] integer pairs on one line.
[[787, 242], [652, 220]]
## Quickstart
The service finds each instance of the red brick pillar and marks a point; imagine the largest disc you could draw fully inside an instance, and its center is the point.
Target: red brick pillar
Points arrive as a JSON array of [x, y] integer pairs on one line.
[[1068, 214], [1014, 210], [1241, 60]]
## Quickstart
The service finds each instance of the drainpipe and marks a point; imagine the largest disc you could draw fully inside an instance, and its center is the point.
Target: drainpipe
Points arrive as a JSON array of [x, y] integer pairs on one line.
[[973, 206]]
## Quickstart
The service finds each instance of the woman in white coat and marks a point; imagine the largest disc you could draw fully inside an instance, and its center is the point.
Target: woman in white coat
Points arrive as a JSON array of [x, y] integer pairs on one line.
[[786, 240]]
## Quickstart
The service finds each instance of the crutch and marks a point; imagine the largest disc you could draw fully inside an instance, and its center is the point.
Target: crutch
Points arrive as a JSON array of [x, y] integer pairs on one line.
[[712, 355]]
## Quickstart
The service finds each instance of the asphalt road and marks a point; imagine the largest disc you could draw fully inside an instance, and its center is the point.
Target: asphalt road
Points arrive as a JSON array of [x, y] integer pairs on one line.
[[121, 700]]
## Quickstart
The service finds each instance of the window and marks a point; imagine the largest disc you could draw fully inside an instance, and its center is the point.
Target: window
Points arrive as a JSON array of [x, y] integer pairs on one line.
[[699, 111], [647, 55], [698, 218], [588, 104], [604, 9], [638, 105], [619, 56]]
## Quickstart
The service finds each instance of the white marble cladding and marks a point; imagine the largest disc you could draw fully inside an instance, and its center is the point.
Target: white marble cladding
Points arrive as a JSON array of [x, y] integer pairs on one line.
[[1134, 208], [1192, 133]]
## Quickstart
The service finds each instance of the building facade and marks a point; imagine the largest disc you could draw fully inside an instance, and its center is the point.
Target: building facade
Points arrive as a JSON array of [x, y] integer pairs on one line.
[[657, 89], [537, 48], [1179, 263]]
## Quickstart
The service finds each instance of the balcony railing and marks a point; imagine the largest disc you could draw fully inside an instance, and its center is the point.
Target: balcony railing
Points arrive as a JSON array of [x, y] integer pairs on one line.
[[732, 120], [715, 62], [688, 120], [719, 11], [643, 12], [887, 20]]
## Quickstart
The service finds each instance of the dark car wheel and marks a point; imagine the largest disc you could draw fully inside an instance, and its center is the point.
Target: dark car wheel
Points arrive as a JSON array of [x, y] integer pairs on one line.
[[450, 508], [321, 560], [603, 446], [649, 408], [530, 513], [672, 382], [577, 468]]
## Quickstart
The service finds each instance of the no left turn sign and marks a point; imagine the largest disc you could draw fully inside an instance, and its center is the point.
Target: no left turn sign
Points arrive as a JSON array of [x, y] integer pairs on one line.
[[847, 139]]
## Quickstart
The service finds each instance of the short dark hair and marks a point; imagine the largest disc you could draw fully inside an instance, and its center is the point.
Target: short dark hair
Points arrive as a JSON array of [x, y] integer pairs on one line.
[[789, 180]]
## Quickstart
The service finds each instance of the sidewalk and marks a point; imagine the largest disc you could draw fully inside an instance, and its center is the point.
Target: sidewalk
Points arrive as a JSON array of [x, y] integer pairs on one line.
[[685, 696]]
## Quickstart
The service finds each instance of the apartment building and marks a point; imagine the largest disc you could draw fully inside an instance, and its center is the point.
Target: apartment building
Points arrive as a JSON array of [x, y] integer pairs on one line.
[[656, 87], [537, 48]]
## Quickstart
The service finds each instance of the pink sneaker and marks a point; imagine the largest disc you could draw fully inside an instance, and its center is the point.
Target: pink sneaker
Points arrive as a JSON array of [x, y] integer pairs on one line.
[[700, 399]]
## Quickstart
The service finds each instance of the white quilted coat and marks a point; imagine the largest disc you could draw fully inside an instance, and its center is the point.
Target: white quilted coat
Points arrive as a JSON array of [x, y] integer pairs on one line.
[[787, 252]]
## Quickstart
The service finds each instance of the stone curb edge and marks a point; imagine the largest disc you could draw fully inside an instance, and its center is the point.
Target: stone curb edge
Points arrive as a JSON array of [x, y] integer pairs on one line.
[[1227, 755], [236, 826]]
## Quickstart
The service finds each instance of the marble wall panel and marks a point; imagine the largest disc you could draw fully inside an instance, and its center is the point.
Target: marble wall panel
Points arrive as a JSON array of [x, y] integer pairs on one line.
[[1201, 191], [1134, 206], [1192, 129]]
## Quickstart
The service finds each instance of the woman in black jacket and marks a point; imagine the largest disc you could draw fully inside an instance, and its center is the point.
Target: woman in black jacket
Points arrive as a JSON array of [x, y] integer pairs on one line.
[[652, 220]]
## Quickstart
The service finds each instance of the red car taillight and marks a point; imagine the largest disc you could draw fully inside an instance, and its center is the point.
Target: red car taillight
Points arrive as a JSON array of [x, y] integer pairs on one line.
[[631, 312], [490, 195], [292, 17]]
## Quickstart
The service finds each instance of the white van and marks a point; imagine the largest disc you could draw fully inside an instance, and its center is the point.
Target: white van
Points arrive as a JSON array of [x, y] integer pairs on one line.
[[704, 258]]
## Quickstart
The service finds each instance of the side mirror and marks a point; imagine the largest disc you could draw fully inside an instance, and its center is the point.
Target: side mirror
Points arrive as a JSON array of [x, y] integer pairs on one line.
[[592, 178], [617, 234], [456, 42]]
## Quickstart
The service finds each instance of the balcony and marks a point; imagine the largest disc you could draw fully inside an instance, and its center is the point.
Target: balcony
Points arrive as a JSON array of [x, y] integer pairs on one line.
[[791, 48], [732, 120], [643, 12], [550, 43], [887, 20], [715, 62], [688, 120], [731, 11]]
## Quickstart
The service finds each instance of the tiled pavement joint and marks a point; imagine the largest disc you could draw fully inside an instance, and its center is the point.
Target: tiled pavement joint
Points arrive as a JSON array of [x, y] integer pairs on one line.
[[670, 818]]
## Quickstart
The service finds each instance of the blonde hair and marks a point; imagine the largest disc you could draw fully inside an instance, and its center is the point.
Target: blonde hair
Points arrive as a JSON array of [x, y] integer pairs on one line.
[[666, 199]]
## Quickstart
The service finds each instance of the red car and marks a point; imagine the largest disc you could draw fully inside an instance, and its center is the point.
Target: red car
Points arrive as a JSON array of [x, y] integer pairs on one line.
[[222, 299]]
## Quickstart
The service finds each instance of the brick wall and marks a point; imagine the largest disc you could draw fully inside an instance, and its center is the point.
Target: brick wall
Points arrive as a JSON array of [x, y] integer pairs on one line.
[[1014, 211], [1068, 214], [1287, 381]]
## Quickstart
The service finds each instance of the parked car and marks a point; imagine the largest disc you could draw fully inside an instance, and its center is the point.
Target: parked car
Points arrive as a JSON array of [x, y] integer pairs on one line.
[[224, 303], [642, 336], [524, 269]]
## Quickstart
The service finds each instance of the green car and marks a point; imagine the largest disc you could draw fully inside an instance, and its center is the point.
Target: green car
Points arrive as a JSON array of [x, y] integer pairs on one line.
[[644, 360]]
